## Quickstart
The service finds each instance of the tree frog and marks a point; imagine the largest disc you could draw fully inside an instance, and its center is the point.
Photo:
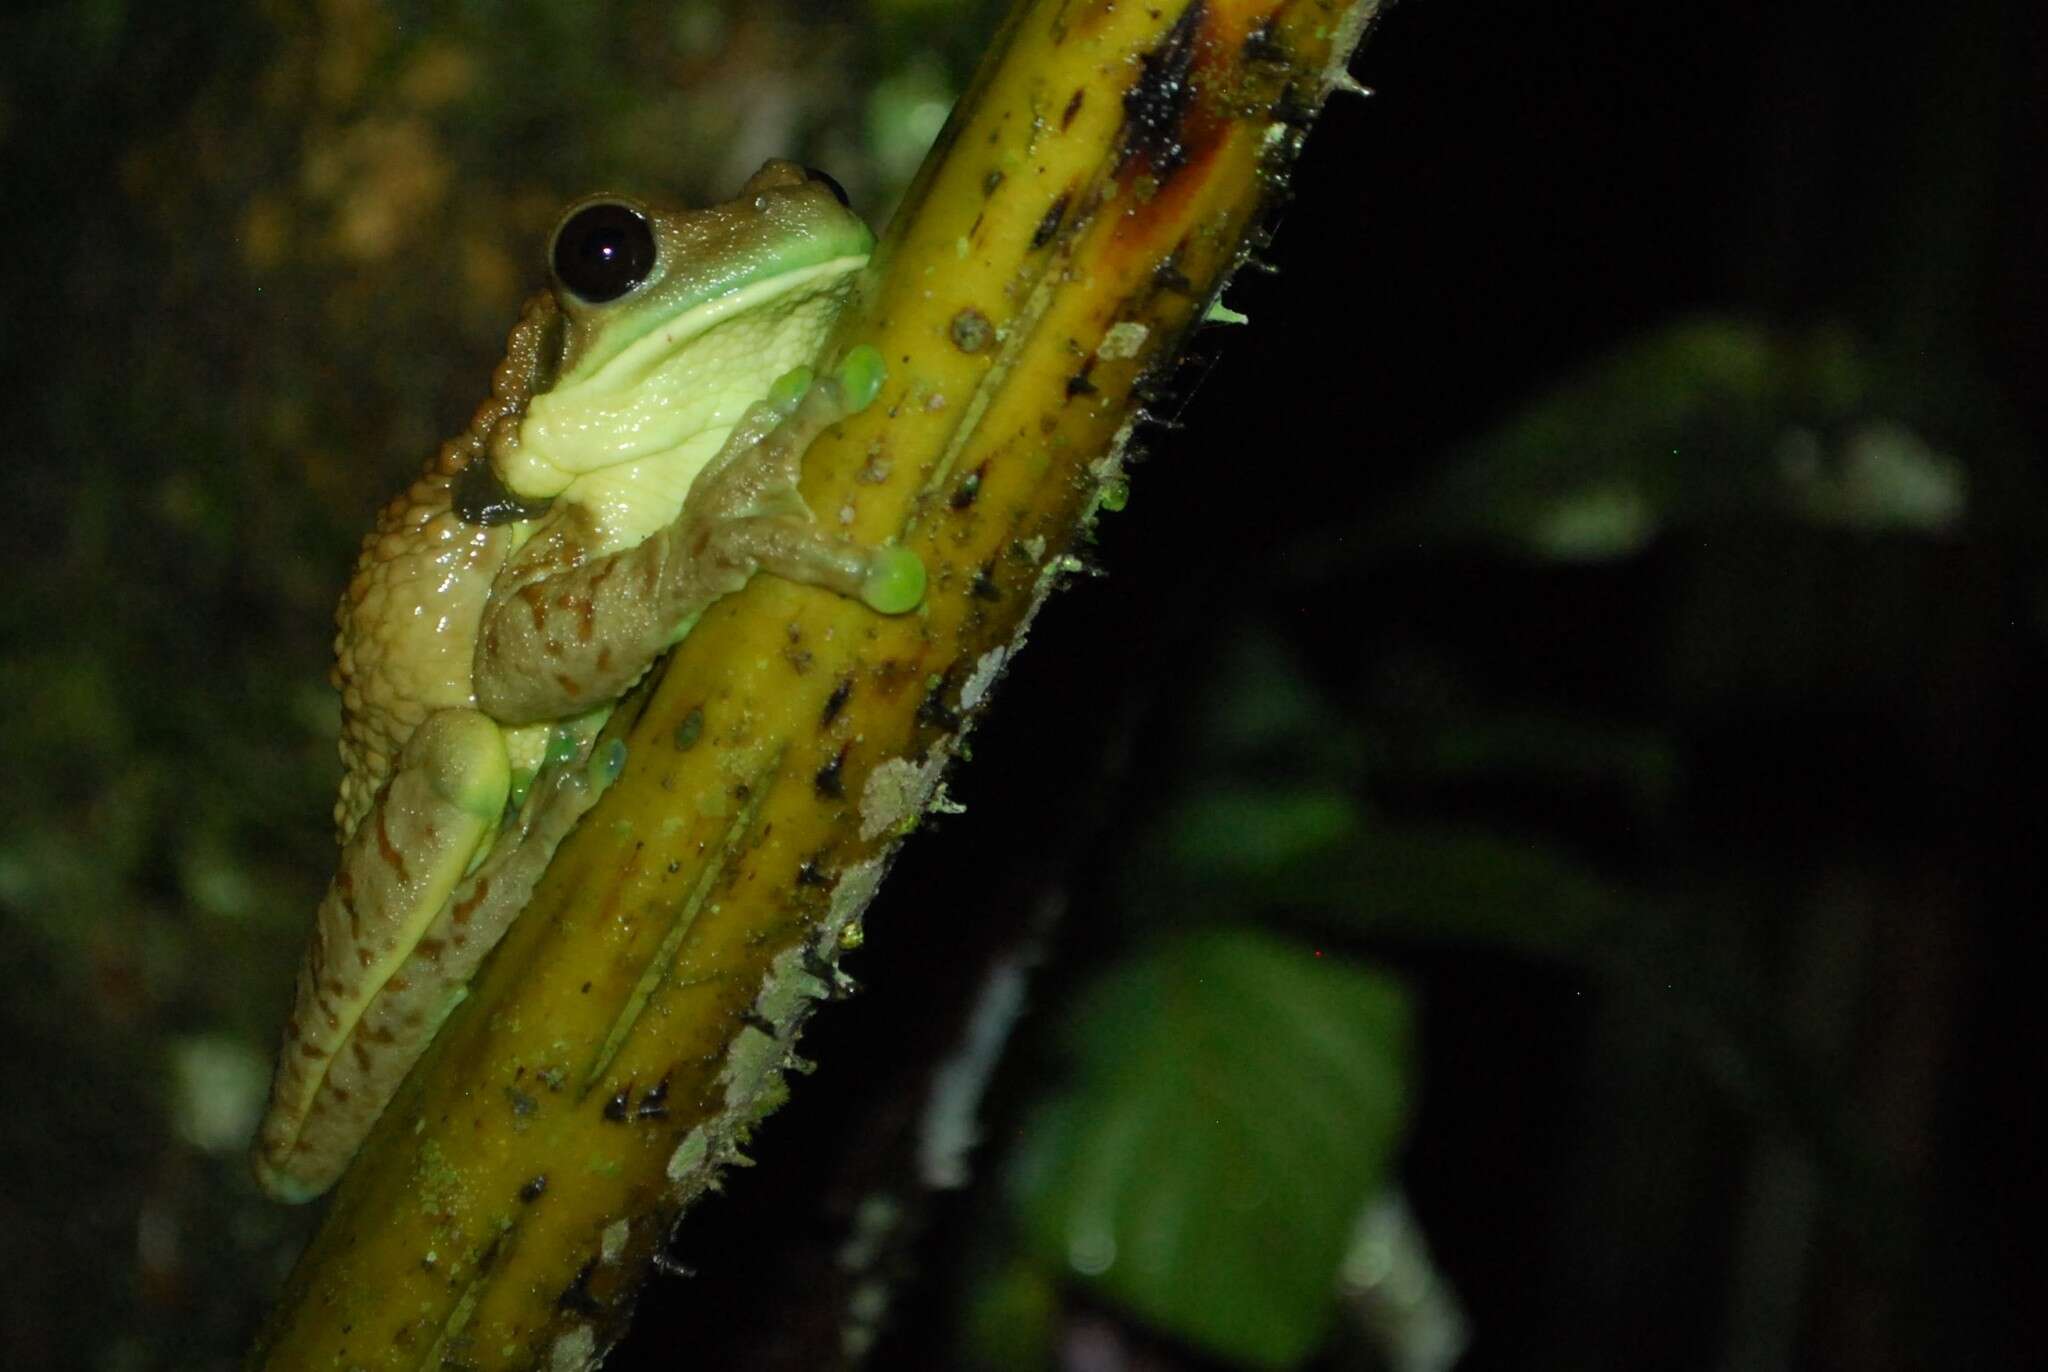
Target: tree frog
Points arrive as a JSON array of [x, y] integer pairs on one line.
[[636, 460]]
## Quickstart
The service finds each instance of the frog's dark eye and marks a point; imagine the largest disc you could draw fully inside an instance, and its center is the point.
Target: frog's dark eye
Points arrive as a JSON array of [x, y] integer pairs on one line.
[[603, 251], [826, 180]]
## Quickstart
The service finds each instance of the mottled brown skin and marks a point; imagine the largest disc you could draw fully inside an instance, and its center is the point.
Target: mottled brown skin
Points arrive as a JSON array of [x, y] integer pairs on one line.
[[742, 514], [456, 636], [421, 553], [344, 1079]]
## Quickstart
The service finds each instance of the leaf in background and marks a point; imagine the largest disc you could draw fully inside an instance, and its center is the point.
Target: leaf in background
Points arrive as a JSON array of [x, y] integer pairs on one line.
[[1254, 836], [1557, 754], [1261, 712], [1316, 856], [1706, 418], [1236, 1098]]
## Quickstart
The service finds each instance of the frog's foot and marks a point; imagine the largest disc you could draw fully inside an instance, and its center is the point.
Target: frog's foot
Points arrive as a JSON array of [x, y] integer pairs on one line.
[[887, 579], [562, 633], [425, 832], [744, 512], [757, 468]]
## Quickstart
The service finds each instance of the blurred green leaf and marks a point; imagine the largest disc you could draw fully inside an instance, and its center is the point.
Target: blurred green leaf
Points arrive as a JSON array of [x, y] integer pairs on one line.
[[1560, 754], [1707, 418], [1317, 858], [905, 112], [1257, 836], [1262, 709], [1882, 475], [1235, 1099], [1012, 1317]]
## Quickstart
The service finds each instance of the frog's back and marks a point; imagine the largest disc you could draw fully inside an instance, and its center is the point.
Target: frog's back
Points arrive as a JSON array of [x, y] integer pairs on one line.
[[407, 624]]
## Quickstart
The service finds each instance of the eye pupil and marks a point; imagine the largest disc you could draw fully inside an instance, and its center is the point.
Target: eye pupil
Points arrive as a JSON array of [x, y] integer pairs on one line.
[[603, 251], [830, 183]]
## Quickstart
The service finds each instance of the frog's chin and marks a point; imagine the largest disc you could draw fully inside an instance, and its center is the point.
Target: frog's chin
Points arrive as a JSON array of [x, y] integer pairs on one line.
[[677, 390]]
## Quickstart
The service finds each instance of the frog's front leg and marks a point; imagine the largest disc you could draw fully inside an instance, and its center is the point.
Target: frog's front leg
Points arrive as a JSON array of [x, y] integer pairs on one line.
[[429, 824], [565, 631]]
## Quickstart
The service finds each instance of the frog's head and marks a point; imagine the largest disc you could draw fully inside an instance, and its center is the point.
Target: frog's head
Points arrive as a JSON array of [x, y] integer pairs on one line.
[[665, 325]]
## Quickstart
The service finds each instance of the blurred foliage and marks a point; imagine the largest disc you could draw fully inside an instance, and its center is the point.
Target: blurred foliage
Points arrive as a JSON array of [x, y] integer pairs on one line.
[[1235, 1104], [1709, 419]]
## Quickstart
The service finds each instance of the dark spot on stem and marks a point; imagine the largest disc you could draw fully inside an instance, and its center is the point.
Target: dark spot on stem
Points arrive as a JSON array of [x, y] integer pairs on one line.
[[1261, 44], [892, 676], [1156, 105], [576, 1298], [838, 985], [934, 711], [829, 782], [1050, 225], [690, 730], [836, 702], [653, 1105], [970, 331], [1292, 109], [965, 494]]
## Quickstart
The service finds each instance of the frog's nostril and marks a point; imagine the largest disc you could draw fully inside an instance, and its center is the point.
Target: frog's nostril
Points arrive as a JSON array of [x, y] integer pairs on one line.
[[603, 251], [830, 183]]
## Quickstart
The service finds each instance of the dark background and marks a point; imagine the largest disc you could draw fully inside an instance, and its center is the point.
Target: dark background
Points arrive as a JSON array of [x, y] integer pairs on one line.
[[1765, 1106]]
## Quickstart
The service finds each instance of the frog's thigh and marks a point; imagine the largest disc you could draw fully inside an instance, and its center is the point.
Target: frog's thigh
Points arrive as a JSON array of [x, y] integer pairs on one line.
[[401, 1023], [437, 813]]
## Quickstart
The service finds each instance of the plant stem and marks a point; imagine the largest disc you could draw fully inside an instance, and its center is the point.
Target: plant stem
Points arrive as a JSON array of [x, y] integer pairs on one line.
[[1108, 169]]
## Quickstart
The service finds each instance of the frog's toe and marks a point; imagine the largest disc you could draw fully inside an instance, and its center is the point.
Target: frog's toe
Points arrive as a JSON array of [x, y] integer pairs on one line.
[[463, 752], [895, 581], [607, 761], [860, 377], [283, 1186], [789, 388]]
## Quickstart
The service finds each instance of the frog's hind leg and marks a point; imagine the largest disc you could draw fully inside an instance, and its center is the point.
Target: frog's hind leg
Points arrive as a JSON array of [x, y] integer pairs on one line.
[[431, 822], [398, 1026]]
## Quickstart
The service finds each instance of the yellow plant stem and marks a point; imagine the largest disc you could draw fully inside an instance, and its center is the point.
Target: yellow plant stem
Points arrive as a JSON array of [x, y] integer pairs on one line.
[[1110, 166]]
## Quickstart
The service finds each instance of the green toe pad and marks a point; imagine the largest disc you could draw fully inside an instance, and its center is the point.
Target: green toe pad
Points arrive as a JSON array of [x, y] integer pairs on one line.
[[606, 763], [861, 376], [789, 388], [464, 756], [895, 581]]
